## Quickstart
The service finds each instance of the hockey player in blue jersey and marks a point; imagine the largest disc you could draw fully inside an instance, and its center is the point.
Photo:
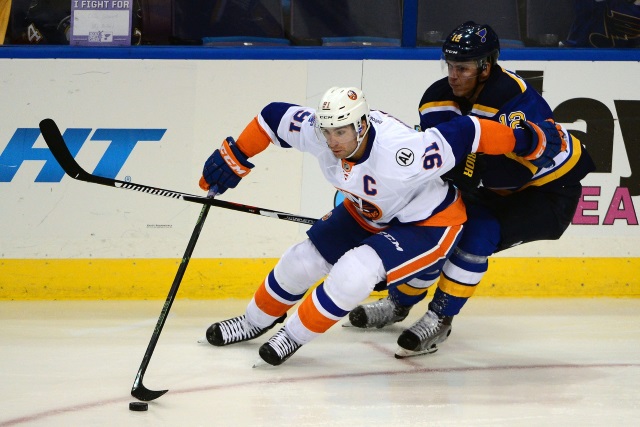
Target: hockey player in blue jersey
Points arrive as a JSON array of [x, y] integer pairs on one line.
[[509, 201], [399, 220]]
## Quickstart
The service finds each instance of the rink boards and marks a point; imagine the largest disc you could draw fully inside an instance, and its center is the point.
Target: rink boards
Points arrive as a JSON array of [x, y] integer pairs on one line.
[[155, 121]]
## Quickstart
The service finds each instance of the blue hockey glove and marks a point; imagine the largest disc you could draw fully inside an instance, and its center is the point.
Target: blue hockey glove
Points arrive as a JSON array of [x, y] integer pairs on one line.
[[546, 140], [225, 167]]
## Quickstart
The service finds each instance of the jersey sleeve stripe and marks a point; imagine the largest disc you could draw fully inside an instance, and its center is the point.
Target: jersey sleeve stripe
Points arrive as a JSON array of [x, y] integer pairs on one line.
[[484, 111], [253, 139], [495, 138], [432, 107], [521, 83], [573, 157]]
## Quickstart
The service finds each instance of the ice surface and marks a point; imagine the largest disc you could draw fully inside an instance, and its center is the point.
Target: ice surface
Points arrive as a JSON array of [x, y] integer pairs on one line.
[[508, 362]]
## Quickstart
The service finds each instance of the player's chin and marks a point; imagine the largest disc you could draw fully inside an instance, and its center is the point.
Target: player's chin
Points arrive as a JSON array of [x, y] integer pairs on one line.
[[458, 91]]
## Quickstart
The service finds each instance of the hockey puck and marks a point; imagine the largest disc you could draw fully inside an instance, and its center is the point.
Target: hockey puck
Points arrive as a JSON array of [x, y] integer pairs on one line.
[[138, 406]]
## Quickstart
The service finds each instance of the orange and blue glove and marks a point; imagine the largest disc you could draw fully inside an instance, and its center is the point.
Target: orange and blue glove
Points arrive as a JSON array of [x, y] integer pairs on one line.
[[225, 167], [543, 142]]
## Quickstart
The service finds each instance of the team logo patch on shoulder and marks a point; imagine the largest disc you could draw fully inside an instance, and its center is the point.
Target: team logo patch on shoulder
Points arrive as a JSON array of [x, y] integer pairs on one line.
[[405, 157]]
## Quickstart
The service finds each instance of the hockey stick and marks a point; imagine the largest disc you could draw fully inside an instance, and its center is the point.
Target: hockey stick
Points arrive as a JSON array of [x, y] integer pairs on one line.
[[139, 391], [60, 151]]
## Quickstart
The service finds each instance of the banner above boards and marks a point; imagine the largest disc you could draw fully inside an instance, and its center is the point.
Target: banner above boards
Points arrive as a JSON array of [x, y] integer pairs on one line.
[[101, 22]]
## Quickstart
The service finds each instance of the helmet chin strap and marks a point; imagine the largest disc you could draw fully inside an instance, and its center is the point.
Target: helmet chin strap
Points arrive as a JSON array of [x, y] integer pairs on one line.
[[359, 139]]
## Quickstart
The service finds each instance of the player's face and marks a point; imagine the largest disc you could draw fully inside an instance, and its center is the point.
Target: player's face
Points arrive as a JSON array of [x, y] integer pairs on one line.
[[462, 77], [342, 141]]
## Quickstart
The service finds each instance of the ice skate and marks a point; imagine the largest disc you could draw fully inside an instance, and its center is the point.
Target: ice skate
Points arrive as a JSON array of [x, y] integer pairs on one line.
[[378, 314], [279, 348], [424, 336], [236, 329]]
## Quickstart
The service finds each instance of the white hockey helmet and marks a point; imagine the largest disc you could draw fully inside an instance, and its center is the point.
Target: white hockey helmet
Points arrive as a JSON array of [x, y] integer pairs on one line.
[[342, 106]]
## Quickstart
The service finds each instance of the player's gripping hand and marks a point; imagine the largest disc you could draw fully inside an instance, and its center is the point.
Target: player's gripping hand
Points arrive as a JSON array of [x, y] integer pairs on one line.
[[547, 140], [225, 167]]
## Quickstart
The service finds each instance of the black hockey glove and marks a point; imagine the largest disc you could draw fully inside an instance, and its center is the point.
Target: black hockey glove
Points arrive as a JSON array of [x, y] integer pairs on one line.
[[467, 175]]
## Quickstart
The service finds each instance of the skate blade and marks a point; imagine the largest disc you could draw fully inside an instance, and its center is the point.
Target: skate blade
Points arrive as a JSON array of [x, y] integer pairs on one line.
[[261, 364], [403, 353], [348, 324]]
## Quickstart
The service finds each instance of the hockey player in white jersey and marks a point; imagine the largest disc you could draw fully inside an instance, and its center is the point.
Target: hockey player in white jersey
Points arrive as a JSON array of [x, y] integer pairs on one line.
[[399, 219]]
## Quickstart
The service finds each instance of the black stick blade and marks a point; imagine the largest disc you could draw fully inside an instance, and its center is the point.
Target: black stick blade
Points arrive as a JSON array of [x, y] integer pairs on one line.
[[138, 390], [53, 137], [142, 393]]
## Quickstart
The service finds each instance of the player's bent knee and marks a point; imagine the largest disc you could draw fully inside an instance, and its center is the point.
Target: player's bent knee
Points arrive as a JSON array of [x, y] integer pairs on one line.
[[300, 267], [354, 276]]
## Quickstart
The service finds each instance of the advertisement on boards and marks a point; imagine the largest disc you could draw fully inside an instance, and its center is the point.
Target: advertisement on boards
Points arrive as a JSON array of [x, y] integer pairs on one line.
[[155, 122]]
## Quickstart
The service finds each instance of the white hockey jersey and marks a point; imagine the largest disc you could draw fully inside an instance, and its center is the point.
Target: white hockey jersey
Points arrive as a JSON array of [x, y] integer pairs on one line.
[[398, 177]]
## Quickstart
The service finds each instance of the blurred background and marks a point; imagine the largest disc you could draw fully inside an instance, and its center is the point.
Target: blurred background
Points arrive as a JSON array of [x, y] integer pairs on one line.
[[414, 23]]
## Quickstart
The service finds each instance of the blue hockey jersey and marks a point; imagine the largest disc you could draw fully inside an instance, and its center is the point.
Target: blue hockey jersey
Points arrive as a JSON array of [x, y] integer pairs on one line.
[[506, 98]]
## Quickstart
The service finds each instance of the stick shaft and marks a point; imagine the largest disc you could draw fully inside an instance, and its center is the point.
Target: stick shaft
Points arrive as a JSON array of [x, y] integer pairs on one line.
[[54, 139], [138, 390]]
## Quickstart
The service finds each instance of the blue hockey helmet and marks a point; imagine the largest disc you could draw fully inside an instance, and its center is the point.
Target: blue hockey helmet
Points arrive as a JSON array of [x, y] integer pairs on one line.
[[471, 41]]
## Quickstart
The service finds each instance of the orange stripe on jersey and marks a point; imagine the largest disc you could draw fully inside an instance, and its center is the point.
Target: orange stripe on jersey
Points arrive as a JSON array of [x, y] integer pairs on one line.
[[495, 138], [426, 259], [268, 304], [311, 317], [456, 289], [454, 214], [253, 139]]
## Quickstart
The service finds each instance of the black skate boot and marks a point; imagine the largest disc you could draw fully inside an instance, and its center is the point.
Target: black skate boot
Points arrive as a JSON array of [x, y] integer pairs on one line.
[[424, 336], [378, 314], [279, 348], [235, 330]]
